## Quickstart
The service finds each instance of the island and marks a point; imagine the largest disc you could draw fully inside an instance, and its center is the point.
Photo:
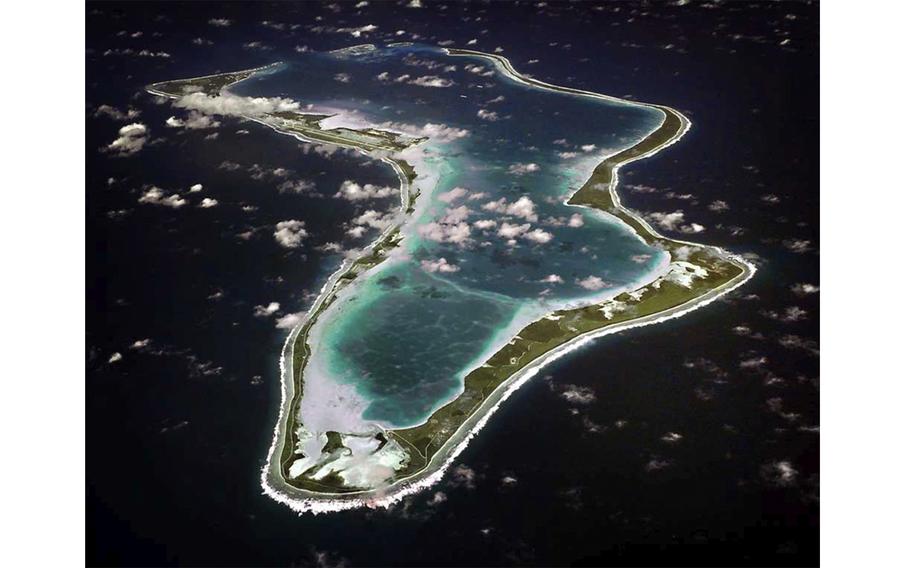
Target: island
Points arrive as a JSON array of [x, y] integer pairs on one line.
[[350, 433]]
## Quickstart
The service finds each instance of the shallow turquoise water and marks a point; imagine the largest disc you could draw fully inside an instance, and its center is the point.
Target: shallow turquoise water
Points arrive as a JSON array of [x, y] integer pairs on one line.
[[513, 250]]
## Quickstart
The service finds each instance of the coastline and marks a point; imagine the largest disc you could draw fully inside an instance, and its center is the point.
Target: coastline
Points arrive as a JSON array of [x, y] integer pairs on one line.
[[273, 481], [302, 501]]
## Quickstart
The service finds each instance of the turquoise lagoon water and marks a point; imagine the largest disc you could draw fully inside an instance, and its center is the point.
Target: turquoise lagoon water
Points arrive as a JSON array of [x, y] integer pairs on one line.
[[407, 335]]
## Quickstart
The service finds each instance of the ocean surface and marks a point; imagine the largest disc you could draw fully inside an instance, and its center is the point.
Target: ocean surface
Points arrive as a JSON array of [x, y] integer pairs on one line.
[[694, 442]]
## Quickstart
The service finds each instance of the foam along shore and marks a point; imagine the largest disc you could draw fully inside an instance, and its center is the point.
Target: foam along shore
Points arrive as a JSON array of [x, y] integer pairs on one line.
[[694, 276]]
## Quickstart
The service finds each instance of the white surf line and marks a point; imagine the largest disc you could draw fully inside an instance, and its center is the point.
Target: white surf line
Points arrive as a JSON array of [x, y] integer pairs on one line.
[[316, 502]]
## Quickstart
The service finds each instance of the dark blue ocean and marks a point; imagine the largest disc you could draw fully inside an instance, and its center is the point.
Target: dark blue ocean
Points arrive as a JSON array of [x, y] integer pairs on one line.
[[694, 442]]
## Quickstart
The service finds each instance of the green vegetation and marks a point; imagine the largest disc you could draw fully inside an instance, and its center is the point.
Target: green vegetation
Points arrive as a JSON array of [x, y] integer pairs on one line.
[[334, 443], [210, 85], [596, 191], [409, 172]]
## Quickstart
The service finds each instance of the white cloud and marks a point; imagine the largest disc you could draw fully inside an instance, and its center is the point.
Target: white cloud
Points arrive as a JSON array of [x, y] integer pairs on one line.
[[576, 220], [791, 341], [718, 206], [196, 187], [155, 196], [331, 247], [780, 473], [352, 191], [479, 70], [453, 194], [552, 279], [374, 219], [297, 186], [266, 311], [439, 265], [133, 53], [789, 315], [256, 45], [115, 357], [343, 77], [358, 32], [356, 232], [538, 236], [455, 215], [510, 231], [464, 476], [490, 115], [578, 394], [220, 22], [592, 283], [521, 169], [208, 202], [234, 105], [656, 464], [803, 289], [438, 132], [798, 246], [523, 207], [753, 363], [674, 222], [194, 121], [432, 81], [131, 139], [458, 233], [258, 172], [484, 224], [289, 321], [290, 234], [668, 221], [115, 113], [588, 148], [415, 4]]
